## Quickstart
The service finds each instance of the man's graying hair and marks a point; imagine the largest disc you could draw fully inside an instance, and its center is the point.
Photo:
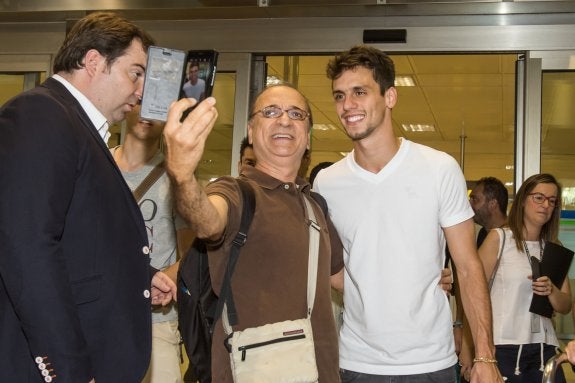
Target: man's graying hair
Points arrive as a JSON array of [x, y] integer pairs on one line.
[[287, 85], [368, 57]]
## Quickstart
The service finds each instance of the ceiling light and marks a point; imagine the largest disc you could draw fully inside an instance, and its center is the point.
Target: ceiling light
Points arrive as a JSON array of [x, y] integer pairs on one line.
[[418, 127], [509, 167], [404, 81], [343, 154], [324, 127], [273, 80], [508, 183]]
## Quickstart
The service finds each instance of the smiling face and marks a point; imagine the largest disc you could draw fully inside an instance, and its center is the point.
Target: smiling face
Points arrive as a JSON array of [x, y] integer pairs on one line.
[[193, 74], [361, 107], [116, 88], [279, 140]]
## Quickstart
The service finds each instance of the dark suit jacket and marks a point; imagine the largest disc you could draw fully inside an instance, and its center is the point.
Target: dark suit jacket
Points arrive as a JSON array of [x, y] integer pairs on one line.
[[74, 269]]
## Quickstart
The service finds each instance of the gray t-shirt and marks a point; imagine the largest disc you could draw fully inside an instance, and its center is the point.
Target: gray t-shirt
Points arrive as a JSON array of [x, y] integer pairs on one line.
[[157, 207]]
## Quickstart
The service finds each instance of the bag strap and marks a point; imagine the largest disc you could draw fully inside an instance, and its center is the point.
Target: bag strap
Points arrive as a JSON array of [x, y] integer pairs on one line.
[[226, 297], [312, 265], [321, 202], [314, 230], [492, 279], [147, 182]]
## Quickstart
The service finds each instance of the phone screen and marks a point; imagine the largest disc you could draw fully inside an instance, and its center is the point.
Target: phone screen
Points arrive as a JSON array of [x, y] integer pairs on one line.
[[163, 82], [200, 75]]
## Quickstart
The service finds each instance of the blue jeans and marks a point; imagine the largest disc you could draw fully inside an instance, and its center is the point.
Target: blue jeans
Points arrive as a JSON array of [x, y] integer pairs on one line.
[[443, 376]]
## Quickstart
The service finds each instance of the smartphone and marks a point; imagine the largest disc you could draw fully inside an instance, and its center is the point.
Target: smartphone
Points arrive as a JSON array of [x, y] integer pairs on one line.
[[201, 67], [163, 81]]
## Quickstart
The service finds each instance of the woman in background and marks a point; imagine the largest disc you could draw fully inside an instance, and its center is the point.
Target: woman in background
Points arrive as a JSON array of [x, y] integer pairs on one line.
[[524, 340]]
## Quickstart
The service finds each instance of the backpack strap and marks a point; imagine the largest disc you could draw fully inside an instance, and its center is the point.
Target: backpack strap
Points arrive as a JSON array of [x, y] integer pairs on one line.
[[226, 297], [320, 201], [147, 183]]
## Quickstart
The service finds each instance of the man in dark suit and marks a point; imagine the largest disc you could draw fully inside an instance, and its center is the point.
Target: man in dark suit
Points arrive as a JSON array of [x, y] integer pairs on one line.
[[75, 280]]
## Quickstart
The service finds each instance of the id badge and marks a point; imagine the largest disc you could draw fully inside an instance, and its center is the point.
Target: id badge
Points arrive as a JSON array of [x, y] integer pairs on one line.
[[535, 323]]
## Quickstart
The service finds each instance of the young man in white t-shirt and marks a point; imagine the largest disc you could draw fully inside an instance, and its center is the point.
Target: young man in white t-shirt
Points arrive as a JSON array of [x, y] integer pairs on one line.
[[394, 202]]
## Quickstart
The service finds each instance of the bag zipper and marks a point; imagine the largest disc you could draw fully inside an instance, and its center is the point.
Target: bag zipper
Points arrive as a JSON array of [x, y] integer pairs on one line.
[[243, 349]]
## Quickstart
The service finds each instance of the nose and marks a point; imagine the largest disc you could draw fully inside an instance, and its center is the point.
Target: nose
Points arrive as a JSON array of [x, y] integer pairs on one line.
[[348, 103], [284, 119], [139, 88]]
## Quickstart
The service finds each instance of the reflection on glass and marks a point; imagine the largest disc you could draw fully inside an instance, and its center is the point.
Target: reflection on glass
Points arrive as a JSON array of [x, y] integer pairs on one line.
[[217, 157], [13, 83]]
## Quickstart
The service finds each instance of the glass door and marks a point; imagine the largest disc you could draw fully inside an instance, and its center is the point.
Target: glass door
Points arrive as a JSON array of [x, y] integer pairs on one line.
[[231, 88], [557, 148]]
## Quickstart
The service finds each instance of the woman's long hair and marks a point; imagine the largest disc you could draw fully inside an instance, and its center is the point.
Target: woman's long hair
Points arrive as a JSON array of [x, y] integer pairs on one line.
[[550, 230]]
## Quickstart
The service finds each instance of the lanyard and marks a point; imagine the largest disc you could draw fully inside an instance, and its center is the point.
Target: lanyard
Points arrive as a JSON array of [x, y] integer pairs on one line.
[[529, 255], [535, 319]]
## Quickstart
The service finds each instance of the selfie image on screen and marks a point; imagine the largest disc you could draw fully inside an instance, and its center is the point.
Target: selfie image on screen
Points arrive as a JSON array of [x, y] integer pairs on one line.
[[195, 85]]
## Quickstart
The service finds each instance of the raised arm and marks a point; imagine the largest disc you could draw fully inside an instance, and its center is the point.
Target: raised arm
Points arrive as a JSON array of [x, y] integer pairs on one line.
[[185, 142], [475, 299]]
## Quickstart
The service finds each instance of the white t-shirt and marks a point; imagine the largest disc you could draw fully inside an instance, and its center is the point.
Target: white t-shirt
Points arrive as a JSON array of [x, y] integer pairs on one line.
[[397, 320], [194, 91]]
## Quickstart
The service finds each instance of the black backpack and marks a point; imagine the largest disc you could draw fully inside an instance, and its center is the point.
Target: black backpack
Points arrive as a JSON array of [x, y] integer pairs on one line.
[[198, 305]]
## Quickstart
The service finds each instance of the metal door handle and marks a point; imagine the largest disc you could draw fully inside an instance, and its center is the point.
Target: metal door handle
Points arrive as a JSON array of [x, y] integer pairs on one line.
[[551, 366]]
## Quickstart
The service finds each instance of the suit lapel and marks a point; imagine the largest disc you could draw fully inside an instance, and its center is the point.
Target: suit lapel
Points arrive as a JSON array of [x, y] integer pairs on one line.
[[70, 100]]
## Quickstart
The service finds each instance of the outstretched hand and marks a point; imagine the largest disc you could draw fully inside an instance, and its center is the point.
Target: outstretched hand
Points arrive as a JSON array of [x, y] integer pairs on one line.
[[186, 140]]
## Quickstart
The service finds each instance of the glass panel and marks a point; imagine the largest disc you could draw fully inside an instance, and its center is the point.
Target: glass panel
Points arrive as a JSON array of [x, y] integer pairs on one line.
[[13, 83], [466, 100], [557, 158], [217, 158]]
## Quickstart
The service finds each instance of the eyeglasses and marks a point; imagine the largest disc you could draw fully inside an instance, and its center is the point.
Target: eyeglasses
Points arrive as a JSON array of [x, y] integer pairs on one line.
[[273, 111], [539, 198]]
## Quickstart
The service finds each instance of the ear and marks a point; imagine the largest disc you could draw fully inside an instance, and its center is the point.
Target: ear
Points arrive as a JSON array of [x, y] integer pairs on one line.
[[250, 133], [493, 205], [92, 60], [390, 97]]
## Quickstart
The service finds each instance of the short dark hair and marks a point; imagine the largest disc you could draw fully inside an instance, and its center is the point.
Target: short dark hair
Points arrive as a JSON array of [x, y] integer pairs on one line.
[[106, 32], [245, 144], [379, 63], [493, 188]]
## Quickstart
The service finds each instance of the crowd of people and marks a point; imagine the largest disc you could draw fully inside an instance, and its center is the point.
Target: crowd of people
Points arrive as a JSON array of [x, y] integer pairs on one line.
[[89, 236]]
